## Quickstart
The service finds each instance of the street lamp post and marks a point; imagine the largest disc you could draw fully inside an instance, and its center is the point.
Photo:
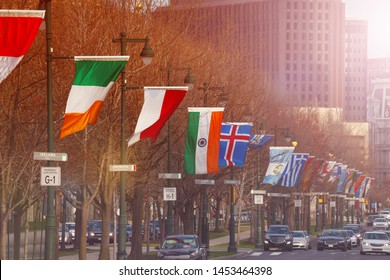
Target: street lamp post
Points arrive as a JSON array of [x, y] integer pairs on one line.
[[146, 55], [189, 81]]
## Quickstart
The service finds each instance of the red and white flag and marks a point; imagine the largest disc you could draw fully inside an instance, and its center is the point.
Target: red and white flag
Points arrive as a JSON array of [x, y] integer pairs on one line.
[[159, 105], [18, 29]]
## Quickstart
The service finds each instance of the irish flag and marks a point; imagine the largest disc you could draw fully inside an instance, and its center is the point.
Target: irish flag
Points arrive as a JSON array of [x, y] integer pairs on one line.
[[18, 29], [95, 75], [203, 140], [159, 105]]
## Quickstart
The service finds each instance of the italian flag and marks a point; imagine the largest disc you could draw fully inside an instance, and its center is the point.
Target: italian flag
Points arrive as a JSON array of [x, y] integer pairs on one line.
[[203, 140], [18, 29], [95, 75], [159, 105]]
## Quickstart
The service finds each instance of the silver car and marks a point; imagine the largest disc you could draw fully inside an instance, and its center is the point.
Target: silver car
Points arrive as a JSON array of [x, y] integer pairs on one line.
[[375, 242], [380, 223], [301, 240]]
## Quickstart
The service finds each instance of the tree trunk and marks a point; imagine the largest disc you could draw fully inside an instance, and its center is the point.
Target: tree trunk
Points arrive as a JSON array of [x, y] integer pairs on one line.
[[136, 248], [17, 234]]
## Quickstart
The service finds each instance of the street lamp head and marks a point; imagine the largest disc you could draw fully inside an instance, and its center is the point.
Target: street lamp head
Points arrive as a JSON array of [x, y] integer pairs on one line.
[[189, 80], [147, 53]]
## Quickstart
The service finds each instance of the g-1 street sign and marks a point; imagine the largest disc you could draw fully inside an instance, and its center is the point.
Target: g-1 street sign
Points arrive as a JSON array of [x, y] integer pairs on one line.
[[204, 182], [50, 156], [51, 176]]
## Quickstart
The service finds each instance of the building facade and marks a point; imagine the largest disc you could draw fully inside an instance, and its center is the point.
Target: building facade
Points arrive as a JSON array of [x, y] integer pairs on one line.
[[298, 44], [356, 91]]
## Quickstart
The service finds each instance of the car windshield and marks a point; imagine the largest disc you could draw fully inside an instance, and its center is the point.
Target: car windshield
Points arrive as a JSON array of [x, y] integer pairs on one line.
[[354, 229], [376, 235], [278, 230], [332, 233], [298, 234], [179, 243], [380, 220]]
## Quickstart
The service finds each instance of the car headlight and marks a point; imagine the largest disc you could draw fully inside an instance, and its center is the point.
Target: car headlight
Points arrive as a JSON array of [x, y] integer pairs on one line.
[[288, 237], [266, 236], [159, 255], [320, 241], [341, 241], [194, 254], [110, 233], [92, 234], [366, 243]]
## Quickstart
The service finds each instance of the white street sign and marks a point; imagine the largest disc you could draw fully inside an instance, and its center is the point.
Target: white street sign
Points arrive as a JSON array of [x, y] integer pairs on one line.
[[204, 182], [298, 203], [169, 194], [169, 175], [51, 176], [123, 167], [231, 182], [258, 199], [258, 192], [50, 156], [333, 204]]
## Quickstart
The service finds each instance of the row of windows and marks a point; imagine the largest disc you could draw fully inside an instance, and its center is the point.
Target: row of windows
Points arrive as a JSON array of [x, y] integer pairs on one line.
[[354, 108], [308, 36], [303, 26], [355, 98], [320, 56], [310, 5], [309, 77], [311, 16], [310, 97], [310, 67], [309, 88]]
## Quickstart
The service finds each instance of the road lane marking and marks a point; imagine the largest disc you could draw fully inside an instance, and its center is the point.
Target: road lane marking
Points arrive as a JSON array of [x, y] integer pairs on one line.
[[255, 254], [275, 254]]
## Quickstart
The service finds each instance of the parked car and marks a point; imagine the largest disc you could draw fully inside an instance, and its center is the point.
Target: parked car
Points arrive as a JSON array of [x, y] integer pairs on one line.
[[278, 236], [375, 242], [72, 229], [301, 240], [68, 236], [332, 239], [380, 223], [182, 247], [385, 214]]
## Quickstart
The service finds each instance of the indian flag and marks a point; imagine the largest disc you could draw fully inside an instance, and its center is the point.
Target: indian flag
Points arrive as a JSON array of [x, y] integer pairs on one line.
[[18, 29], [95, 75], [203, 140]]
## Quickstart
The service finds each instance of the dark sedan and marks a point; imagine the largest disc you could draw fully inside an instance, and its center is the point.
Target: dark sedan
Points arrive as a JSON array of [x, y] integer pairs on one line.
[[182, 247], [332, 239]]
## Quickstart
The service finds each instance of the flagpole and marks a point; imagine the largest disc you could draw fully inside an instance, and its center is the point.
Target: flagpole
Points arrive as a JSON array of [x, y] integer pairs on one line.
[[146, 55], [189, 80]]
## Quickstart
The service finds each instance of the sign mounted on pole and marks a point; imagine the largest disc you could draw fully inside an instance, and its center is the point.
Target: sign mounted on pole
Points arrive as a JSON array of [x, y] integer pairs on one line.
[[169, 175], [204, 182], [258, 199], [51, 176], [169, 194], [123, 167], [50, 156]]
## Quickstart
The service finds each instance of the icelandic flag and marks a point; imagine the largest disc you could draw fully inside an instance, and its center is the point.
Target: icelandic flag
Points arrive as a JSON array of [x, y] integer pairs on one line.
[[234, 144], [279, 157], [293, 170], [258, 140]]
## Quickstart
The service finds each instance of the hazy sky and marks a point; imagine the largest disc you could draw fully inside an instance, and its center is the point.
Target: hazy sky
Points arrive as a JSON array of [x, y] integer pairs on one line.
[[377, 14]]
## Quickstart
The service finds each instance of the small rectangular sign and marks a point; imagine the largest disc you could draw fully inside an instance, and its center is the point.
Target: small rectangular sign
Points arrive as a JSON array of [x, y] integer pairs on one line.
[[51, 176], [169, 194], [169, 175], [50, 156], [298, 203], [204, 182], [231, 182], [123, 167], [258, 199], [258, 192]]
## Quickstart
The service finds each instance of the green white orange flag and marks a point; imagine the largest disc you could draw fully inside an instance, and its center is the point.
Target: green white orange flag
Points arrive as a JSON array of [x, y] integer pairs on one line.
[[95, 75], [18, 29], [203, 140]]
